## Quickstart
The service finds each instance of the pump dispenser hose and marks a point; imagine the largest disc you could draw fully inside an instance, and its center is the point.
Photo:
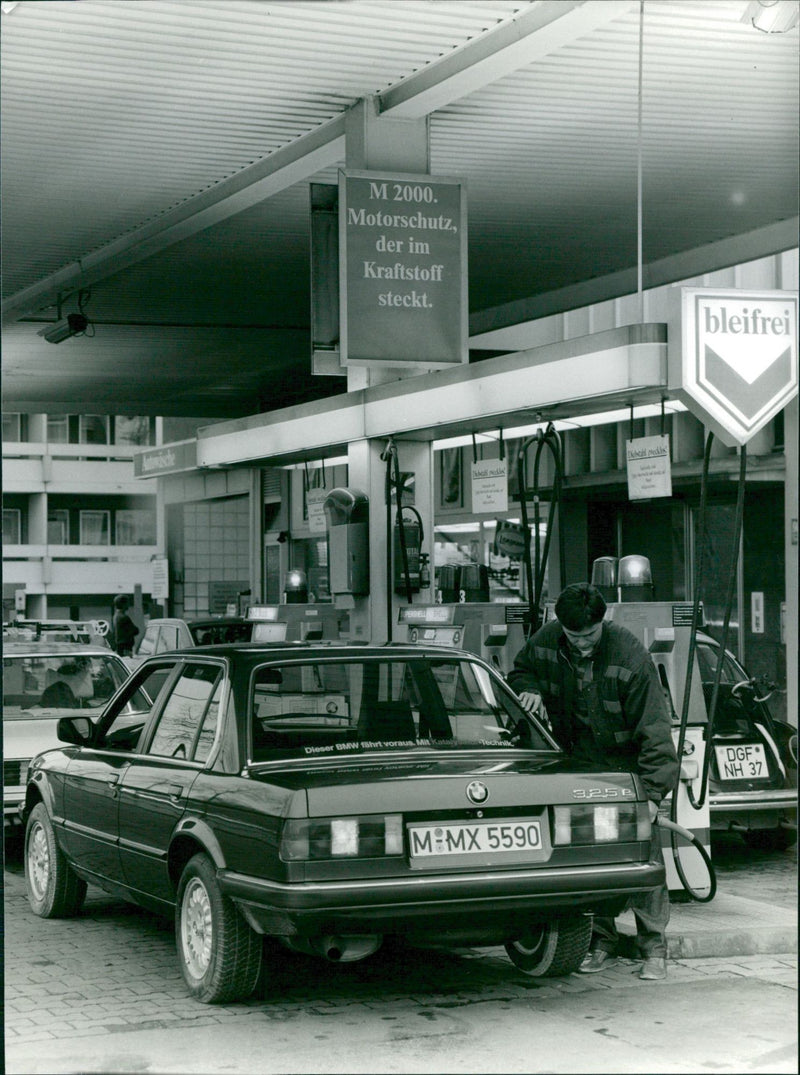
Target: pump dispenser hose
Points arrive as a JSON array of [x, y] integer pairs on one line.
[[678, 830]]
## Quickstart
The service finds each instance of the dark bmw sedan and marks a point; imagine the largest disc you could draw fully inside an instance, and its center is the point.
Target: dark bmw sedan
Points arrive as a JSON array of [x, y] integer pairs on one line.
[[331, 796]]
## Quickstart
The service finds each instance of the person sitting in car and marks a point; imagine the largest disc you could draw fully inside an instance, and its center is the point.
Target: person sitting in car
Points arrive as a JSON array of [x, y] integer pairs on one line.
[[73, 683]]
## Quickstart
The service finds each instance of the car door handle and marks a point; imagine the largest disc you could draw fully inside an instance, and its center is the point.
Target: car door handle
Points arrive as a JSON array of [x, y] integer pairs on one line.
[[175, 791], [112, 781]]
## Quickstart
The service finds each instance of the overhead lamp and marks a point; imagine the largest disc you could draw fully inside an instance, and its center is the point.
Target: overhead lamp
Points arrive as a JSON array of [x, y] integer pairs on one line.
[[71, 325], [772, 16]]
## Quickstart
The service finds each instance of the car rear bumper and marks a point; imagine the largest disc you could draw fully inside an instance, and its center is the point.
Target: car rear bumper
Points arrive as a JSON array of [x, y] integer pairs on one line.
[[13, 800], [398, 905], [723, 802]]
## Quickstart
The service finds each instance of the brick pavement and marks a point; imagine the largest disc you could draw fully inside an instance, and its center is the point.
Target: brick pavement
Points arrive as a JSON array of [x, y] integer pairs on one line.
[[114, 970]]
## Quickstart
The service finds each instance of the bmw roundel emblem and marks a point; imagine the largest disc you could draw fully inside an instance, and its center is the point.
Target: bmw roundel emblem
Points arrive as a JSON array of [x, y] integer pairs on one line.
[[477, 792]]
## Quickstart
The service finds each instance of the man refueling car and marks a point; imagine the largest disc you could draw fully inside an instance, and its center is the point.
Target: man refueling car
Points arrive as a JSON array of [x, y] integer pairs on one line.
[[607, 709]]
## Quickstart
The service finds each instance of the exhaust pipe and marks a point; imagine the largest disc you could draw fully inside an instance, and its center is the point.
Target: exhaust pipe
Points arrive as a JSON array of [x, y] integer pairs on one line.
[[338, 948]]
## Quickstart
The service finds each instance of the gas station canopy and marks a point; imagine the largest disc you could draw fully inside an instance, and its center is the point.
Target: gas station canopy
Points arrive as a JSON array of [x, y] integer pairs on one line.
[[157, 158]]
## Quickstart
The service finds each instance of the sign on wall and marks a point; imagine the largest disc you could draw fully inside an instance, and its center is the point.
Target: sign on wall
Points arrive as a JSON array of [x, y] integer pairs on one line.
[[402, 270], [166, 459], [160, 587], [737, 366]]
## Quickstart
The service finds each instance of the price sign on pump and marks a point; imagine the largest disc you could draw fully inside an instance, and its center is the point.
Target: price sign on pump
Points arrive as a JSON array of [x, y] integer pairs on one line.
[[736, 366]]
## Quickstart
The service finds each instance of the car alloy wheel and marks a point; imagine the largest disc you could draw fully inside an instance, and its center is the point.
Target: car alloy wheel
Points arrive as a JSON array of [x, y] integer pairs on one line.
[[54, 889], [38, 861], [197, 928], [220, 955]]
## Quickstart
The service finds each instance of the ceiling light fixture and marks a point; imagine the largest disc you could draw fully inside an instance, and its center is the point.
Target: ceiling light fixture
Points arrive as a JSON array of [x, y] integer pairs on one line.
[[772, 16], [71, 325]]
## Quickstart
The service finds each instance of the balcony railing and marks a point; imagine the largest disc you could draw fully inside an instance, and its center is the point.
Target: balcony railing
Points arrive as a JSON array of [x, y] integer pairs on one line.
[[57, 450]]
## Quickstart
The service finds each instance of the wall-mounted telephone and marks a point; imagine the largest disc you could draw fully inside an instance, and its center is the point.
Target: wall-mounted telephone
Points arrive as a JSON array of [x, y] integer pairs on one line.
[[347, 512]]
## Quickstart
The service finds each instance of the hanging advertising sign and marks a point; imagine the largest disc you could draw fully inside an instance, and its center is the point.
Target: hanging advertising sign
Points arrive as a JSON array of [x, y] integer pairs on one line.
[[489, 486], [402, 270], [315, 503], [509, 539], [648, 464], [737, 365]]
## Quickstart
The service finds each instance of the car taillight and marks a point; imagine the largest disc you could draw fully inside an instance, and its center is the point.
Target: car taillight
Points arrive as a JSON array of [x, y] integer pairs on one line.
[[369, 836], [600, 823]]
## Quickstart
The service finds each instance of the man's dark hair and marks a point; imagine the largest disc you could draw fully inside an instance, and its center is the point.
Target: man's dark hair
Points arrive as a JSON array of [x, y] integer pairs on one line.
[[579, 606]]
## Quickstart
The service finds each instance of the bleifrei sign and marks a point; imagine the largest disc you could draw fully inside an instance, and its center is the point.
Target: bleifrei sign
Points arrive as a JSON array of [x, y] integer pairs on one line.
[[402, 270], [737, 365]]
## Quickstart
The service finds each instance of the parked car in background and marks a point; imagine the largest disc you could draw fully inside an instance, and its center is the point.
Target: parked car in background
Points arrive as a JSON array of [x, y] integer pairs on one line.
[[92, 632], [168, 633], [752, 774], [42, 682], [331, 795]]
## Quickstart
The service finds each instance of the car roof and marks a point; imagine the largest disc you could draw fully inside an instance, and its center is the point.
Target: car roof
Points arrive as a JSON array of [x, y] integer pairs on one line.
[[209, 621], [318, 648], [47, 648], [212, 621]]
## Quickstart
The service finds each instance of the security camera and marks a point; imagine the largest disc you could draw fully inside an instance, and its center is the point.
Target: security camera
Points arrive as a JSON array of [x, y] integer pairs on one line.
[[71, 325]]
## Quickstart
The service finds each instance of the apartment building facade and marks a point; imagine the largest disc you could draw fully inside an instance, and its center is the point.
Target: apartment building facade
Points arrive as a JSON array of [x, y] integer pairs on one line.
[[78, 529]]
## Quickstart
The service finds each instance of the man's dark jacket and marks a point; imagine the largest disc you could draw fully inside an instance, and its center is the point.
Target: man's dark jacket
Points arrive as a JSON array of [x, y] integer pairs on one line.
[[125, 632], [628, 714]]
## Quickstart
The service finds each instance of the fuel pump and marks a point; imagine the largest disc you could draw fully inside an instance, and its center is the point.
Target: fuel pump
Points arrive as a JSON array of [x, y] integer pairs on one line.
[[699, 799], [663, 628]]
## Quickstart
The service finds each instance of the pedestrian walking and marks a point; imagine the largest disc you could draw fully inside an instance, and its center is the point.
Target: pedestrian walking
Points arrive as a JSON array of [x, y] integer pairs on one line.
[[123, 628]]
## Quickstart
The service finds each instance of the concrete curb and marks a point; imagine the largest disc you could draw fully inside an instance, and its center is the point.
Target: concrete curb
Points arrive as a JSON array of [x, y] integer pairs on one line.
[[726, 926]]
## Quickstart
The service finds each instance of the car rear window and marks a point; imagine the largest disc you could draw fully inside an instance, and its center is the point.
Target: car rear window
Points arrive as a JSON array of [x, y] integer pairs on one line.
[[35, 685], [338, 707], [215, 634]]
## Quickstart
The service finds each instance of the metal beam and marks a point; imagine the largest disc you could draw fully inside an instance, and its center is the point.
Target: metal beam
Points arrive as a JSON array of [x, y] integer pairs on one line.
[[531, 35], [320, 148], [613, 368]]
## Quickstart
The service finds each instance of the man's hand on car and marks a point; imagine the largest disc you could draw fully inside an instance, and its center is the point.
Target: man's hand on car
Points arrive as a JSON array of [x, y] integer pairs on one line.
[[532, 701]]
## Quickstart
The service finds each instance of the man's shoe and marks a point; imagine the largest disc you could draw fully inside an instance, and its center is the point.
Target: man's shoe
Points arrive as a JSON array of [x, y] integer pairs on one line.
[[596, 961], [653, 968]]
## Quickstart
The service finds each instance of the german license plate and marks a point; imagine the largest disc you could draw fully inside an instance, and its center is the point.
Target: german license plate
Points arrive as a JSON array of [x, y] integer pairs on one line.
[[512, 836], [741, 761]]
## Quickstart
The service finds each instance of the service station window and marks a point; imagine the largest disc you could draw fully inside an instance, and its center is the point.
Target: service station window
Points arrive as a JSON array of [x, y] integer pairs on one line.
[[134, 527], [12, 526], [469, 544], [58, 526], [95, 527]]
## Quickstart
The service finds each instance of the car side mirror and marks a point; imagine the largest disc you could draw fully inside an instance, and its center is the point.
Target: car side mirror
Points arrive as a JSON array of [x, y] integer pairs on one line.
[[77, 730]]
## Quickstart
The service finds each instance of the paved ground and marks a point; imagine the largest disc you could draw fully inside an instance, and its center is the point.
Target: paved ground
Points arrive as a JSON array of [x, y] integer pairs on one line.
[[103, 994]]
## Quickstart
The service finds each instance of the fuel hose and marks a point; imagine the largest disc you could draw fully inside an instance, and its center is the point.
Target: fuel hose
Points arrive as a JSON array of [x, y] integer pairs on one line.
[[678, 830]]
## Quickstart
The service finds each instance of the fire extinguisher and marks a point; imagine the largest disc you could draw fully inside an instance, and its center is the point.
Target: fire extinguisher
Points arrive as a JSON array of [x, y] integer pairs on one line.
[[411, 537]]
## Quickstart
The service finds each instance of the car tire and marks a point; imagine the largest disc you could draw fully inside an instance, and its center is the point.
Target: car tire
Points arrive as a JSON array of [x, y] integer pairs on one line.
[[770, 839], [553, 948], [53, 888], [219, 954]]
